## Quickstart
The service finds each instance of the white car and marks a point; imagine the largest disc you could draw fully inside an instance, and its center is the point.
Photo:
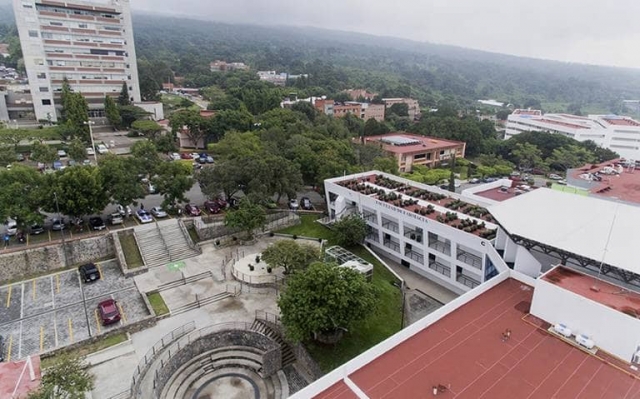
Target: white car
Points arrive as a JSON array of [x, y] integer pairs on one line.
[[12, 227], [158, 212], [102, 149], [553, 176], [124, 211], [144, 216], [62, 154], [293, 204], [152, 189], [195, 156], [175, 156], [90, 151]]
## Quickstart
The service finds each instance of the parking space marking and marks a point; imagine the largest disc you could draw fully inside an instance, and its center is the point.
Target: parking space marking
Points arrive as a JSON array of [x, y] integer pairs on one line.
[[57, 283], [49, 233], [20, 342], [100, 271], [70, 331], [9, 348], [9, 296], [53, 296], [95, 312], [41, 338], [34, 289], [124, 317], [22, 301], [136, 220]]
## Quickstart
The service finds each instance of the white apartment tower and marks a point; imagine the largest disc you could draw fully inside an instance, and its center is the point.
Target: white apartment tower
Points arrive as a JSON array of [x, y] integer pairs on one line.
[[89, 43]]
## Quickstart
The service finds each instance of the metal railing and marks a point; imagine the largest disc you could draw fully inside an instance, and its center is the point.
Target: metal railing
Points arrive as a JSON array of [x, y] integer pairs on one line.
[[440, 246], [184, 280], [466, 280], [469, 259], [440, 268], [418, 257], [390, 225], [266, 316], [394, 246], [156, 349]]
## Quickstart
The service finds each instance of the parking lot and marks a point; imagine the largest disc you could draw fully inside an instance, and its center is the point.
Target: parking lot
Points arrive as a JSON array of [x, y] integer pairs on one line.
[[57, 310]]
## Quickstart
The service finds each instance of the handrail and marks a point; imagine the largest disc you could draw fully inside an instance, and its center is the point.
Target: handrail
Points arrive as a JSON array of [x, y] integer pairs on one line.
[[163, 240]]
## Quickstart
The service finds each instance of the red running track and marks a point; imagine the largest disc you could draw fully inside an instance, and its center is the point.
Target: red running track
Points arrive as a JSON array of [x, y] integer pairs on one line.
[[465, 352]]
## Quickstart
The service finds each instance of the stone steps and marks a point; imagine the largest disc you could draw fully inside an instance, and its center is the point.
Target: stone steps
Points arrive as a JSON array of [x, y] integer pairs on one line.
[[288, 357]]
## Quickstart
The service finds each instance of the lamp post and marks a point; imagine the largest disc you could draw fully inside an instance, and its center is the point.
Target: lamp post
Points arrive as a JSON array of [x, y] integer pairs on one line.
[[91, 123], [64, 247]]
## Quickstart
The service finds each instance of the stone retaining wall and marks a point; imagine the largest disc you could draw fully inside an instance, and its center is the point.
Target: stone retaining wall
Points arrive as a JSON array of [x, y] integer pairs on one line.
[[210, 228], [122, 260], [28, 262]]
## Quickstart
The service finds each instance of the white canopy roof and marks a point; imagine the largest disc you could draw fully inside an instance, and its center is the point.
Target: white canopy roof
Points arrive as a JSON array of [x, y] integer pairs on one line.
[[594, 228]]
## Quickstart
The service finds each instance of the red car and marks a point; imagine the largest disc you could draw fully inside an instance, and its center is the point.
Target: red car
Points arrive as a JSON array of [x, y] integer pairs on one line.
[[211, 206], [192, 210], [109, 312], [184, 155]]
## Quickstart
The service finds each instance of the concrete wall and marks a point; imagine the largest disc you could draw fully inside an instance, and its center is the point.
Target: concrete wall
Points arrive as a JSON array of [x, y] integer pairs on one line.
[[526, 263], [19, 264], [620, 335]]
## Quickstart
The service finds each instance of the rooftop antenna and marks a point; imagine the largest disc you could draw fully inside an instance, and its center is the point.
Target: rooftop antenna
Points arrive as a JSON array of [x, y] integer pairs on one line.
[[595, 287]]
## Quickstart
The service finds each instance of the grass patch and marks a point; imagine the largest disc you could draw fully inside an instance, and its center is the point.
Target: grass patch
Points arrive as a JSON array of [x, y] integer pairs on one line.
[[87, 349], [374, 329], [157, 303], [131, 251], [193, 234]]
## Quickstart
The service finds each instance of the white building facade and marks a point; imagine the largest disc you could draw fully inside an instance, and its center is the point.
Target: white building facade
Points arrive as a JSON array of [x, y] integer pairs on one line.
[[88, 43], [450, 256], [617, 133]]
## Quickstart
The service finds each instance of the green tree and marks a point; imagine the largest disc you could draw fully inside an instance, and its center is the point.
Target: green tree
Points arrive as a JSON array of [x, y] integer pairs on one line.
[[7, 156], [165, 143], [173, 180], [290, 255], [80, 191], [21, 195], [373, 128], [68, 378], [146, 156], [228, 120], [350, 230], [386, 164], [77, 151], [191, 124], [324, 301], [130, 114], [147, 128], [247, 217], [123, 98], [226, 178], [486, 171], [571, 156], [120, 177], [43, 153], [112, 112], [527, 155], [400, 109]]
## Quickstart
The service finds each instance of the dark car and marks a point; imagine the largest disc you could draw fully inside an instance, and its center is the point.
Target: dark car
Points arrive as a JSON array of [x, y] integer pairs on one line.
[[36, 229], [57, 224], [211, 206], [192, 210], [221, 203], [97, 223], [89, 273], [109, 312], [305, 203], [202, 158]]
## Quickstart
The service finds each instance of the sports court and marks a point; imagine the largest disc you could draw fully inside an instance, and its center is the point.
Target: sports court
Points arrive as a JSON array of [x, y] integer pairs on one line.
[[465, 353]]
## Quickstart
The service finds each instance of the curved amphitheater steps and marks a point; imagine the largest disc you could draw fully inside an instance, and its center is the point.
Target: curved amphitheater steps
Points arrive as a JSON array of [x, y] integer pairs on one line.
[[242, 362]]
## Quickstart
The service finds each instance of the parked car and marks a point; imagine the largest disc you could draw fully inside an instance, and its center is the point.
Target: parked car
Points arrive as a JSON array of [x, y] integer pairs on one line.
[[124, 211], [306, 204], [102, 149], [174, 156], [474, 180], [62, 154], [202, 158], [293, 204], [89, 273], [151, 188], [57, 224], [562, 182], [553, 176], [116, 218], [109, 312], [57, 165], [222, 203], [97, 223], [12, 227], [36, 229], [185, 155], [144, 216], [195, 156], [490, 179], [209, 159], [90, 151], [158, 212], [211, 206], [192, 210], [86, 162], [19, 157]]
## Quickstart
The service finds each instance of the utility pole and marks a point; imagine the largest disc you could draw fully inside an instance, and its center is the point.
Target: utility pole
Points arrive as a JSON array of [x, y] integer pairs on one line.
[[90, 124]]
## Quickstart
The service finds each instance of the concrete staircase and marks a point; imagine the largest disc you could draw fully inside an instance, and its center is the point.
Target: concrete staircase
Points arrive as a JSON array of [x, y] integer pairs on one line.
[[287, 352], [164, 242]]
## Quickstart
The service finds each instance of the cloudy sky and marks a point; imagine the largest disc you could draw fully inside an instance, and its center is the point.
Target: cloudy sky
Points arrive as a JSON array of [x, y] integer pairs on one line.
[[588, 31]]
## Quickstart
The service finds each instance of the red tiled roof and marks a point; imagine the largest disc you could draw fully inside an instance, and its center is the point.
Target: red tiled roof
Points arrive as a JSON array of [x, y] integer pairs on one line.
[[625, 186], [622, 122], [566, 124]]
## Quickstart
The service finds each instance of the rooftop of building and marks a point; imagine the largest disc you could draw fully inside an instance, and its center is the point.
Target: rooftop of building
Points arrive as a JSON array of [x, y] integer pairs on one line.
[[429, 202], [603, 231], [464, 353], [532, 112], [597, 290], [616, 179], [405, 143], [504, 192], [620, 120]]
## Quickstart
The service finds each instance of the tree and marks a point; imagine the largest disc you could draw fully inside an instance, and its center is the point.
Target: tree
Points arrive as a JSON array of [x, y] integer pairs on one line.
[[372, 127], [191, 124], [324, 301], [571, 156], [77, 151], [172, 181], [527, 155], [130, 114], [147, 128], [386, 164], [112, 112], [486, 171], [68, 378], [290, 255], [226, 178], [350, 230], [76, 114], [146, 155], [165, 143], [123, 98], [80, 191], [43, 153], [400, 109], [247, 217], [21, 195], [120, 177]]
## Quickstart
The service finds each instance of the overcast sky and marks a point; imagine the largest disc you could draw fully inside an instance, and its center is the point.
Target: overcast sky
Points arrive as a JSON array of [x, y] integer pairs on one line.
[[589, 31]]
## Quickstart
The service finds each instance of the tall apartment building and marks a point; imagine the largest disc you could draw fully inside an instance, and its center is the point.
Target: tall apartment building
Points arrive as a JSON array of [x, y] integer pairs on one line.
[[618, 133], [89, 43]]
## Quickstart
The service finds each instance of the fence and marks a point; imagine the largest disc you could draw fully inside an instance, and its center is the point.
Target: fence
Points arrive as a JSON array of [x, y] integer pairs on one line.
[[212, 227], [184, 280], [199, 302], [157, 348]]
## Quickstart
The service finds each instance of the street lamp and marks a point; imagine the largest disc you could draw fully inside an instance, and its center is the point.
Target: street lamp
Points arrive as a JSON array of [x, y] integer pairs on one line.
[[91, 123], [64, 248]]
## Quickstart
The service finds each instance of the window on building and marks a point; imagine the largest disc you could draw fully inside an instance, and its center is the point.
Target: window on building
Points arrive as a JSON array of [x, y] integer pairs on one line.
[[33, 33], [46, 35], [83, 26], [27, 5], [43, 89], [42, 75], [46, 101], [419, 156], [39, 61], [55, 23]]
